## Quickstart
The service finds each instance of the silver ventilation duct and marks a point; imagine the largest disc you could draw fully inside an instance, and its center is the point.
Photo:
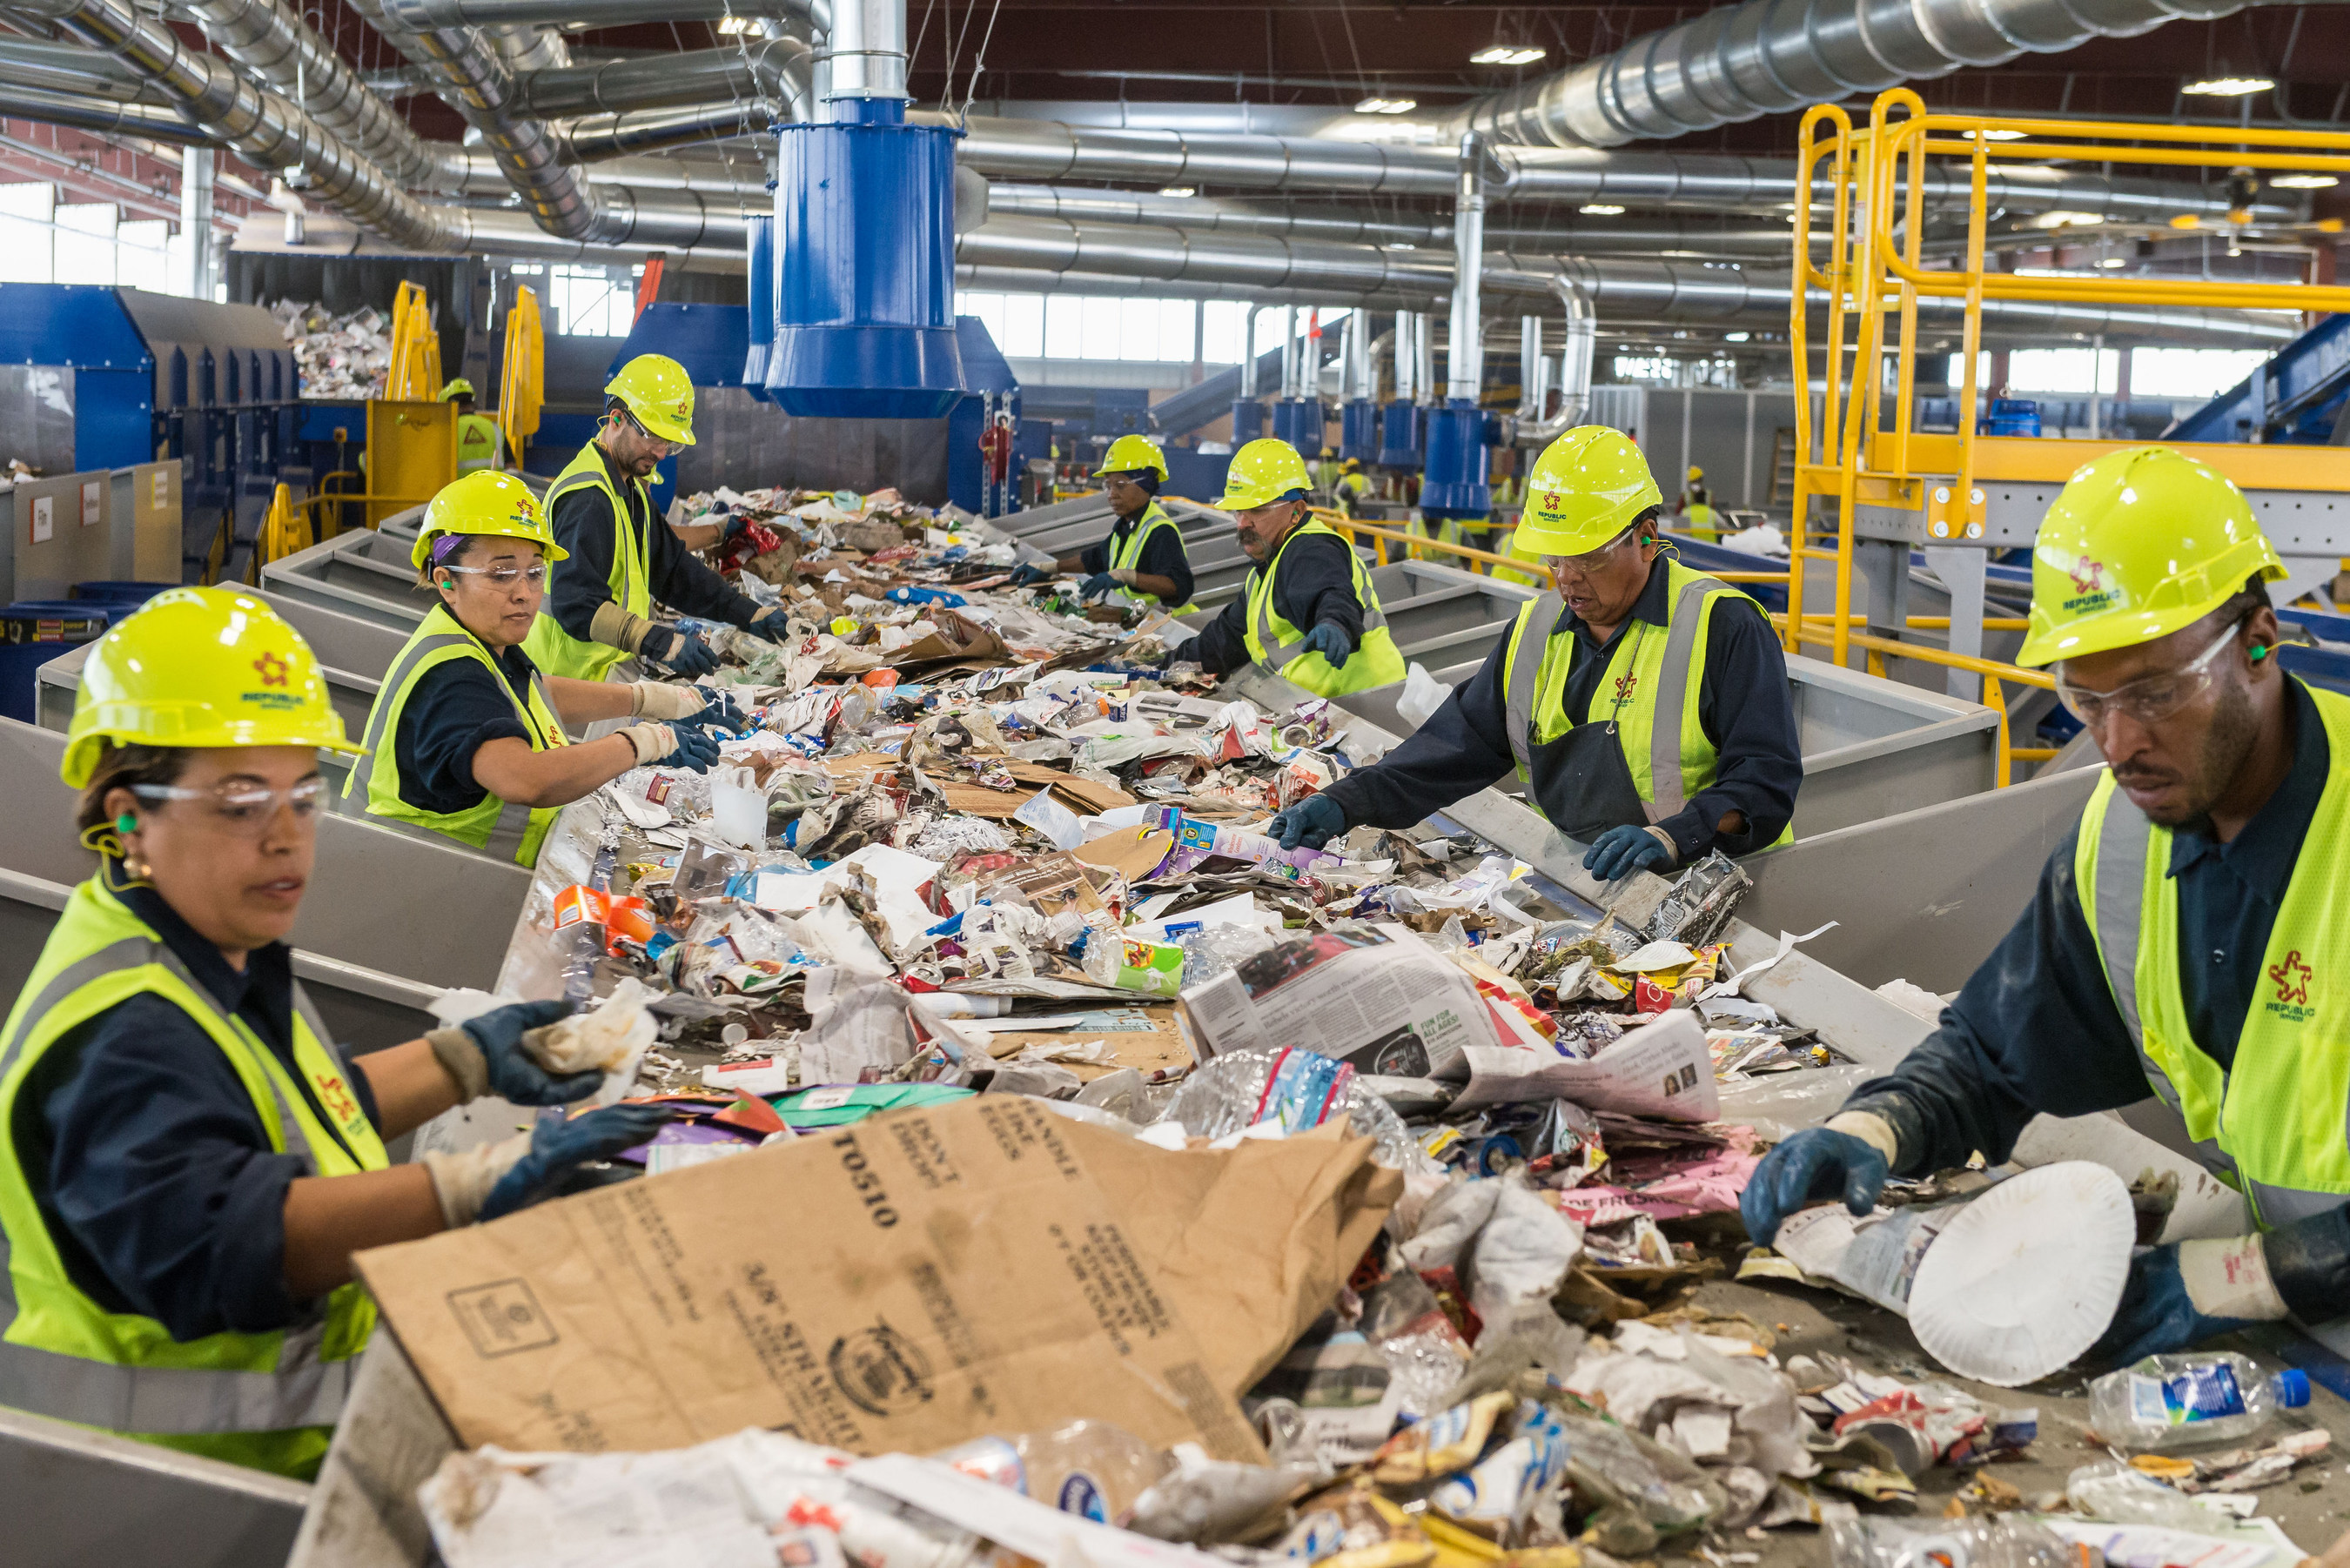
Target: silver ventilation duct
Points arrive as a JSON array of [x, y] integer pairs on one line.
[[419, 15], [1574, 371], [760, 68], [596, 138], [1464, 358], [67, 68], [1047, 253], [101, 115], [1768, 57]]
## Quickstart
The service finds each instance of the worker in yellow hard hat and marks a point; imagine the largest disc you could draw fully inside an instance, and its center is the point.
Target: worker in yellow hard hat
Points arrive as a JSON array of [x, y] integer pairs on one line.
[[1645, 706], [1697, 505], [1309, 613], [1142, 561], [2186, 942], [188, 1160], [477, 435], [1354, 486], [620, 556], [466, 738]]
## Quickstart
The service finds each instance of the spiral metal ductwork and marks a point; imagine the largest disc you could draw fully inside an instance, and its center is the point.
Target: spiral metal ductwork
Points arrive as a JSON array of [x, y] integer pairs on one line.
[[759, 69], [420, 16], [101, 115], [1769, 57]]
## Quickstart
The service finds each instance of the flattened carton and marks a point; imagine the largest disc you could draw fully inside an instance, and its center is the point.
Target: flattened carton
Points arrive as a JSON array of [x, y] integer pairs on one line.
[[903, 1283]]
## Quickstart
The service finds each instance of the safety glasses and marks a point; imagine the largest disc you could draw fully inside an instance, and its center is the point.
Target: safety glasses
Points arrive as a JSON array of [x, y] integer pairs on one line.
[[241, 806], [1591, 561], [666, 446], [504, 578], [2150, 698]]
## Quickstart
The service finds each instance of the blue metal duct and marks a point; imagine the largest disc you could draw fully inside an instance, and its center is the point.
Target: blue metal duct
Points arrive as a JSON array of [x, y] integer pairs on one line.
[[761, 241], [1358, 430], [1248, 421], [1298, 422], [1399, 434], [1454, 483]]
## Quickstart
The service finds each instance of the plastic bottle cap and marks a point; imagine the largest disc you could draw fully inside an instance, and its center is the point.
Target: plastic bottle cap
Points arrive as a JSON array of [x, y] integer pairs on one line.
[[2293, 1388]]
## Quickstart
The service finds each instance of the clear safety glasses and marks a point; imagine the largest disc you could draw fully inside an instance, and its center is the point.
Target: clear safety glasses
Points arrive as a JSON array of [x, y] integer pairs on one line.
[[504, 578], [241, 806], [1591, 561], [2150, 698]]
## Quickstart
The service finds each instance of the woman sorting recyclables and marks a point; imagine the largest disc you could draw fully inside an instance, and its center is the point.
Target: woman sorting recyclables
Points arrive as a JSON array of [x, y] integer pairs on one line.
[[188, 1161], [1644, 705], [466, 736], [1142, 560]]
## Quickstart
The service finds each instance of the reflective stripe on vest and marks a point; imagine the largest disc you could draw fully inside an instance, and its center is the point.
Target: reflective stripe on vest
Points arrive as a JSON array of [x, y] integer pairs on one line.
[[1668, 704], [509, 836], [629, 584], [247, 1408], [1275, 657], [2275, 1125], [1130, 556]]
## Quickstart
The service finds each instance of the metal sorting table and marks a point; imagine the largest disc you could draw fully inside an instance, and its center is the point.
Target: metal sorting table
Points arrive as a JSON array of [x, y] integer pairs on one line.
[[363, 573], [1871, 747]]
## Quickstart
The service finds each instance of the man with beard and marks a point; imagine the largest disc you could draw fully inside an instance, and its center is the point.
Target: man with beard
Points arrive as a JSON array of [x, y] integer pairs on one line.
[[2188, 938]]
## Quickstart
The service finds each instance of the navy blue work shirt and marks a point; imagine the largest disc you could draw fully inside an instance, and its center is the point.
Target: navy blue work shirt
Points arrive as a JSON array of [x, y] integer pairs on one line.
[[1162, 554], [455, 707], [1316, 584], [2036, 1028], [583, 524], [1743, 705], [144, 1152]]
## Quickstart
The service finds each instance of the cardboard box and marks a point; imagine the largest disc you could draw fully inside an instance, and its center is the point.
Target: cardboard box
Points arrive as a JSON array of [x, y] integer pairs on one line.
[[906, 1284]]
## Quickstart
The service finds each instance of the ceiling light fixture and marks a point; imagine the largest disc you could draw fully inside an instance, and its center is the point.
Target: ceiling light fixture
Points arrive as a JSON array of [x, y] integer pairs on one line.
[[2111, 262], [1507, 55], [2058, 218], [1998, 135], [732, 26], [2227, 86], [1602, 210], [1386, 106], [1178, 191], [2305, 182]]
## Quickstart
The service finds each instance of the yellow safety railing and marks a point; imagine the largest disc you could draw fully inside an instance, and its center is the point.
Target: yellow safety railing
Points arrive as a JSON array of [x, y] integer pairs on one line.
[[282, 531], [1870, 272]]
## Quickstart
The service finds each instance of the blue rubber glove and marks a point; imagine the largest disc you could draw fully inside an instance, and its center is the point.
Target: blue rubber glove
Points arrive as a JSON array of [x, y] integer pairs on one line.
[[1330, 640], [914, 595], [1101, 586], [771, 623], [719, 711], [680, 650], [1815, 1163], [696, 750], [1024, 575], [1620, 851], [2158, 1313], [558, 1149], [730, 523], [1312, 822], [514, 1074]]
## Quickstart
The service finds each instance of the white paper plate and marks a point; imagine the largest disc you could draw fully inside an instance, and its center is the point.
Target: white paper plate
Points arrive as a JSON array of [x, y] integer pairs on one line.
[[2028, 1276]]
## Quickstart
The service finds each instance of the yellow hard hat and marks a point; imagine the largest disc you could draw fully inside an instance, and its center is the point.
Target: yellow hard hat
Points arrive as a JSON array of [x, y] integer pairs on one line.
[[1352, 466], [200, 666], [1131, 454], [658, 391], [1262, 472], [487, 502], [1585, 488], [458, 387], [2139, 543], [1696, 473]]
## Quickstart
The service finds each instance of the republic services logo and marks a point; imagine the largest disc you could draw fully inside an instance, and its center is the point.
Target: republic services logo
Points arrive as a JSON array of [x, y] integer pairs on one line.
[[2291, 977], [2086, 575], [273, 670]]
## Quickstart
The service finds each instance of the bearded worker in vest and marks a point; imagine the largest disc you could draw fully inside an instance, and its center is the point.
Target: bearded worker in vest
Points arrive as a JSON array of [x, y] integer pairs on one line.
[[1645, 706], [2186, 939], [466, 738], [620, 555], [188, 1160], [1309, 613], [1142, 561]]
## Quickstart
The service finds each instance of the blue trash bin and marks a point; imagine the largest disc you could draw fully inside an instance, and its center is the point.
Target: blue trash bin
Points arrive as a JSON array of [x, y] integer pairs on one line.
[[119, 591], [33, 632]]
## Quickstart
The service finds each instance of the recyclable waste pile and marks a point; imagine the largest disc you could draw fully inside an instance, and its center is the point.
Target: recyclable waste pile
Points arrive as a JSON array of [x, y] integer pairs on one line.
[[338, 357], [977, 880]]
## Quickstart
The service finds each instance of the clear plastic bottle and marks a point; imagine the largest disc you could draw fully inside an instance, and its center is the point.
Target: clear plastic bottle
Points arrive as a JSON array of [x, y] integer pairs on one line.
[[2181, 1401], [2115, 1492]]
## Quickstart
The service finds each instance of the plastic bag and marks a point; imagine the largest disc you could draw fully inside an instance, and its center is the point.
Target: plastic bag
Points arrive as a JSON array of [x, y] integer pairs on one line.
[[1876, 1540], [1422, 695], [1228, 1094]]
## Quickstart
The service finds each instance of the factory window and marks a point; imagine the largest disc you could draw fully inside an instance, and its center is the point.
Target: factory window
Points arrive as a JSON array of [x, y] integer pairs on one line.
[[85, 239], [26, 233], [588, 301], [1108, 327], [1647, 368], [44, 240], [2190, 372], [142, 256]]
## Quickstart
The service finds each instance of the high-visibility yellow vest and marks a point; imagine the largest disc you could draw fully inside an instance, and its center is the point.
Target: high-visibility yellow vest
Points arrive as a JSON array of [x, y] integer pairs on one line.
[[1129, 557], [507, 829], [1650, 688], [555, 650], [477, 443], [268, 1400], [2272, 1125], [1275, 644]]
